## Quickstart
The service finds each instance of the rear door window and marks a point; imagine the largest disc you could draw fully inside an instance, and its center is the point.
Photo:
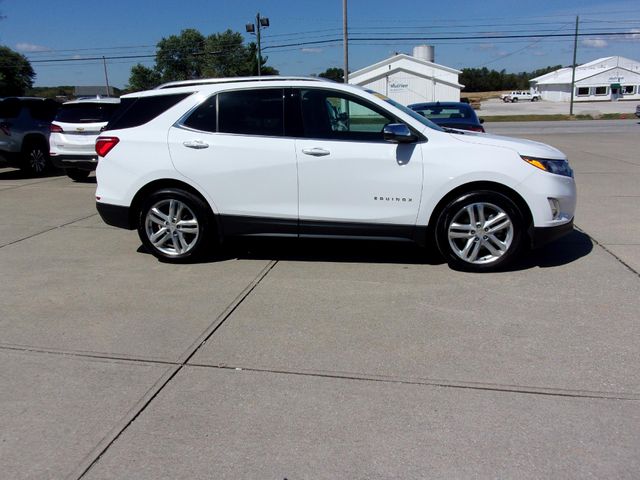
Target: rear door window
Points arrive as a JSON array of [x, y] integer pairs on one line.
[[252, 112]]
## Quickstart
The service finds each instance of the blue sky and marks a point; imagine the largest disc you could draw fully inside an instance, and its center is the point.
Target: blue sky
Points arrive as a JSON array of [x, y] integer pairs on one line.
[[44, 30]]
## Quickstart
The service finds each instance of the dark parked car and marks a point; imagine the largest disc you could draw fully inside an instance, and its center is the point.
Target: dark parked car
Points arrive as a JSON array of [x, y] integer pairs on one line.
[[450, 115], [24, 132]]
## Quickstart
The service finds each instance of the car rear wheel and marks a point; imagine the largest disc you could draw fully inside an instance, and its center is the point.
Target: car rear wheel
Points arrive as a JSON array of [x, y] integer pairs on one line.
[[77, 174], [480, 231], [174, 225], [35, 158], [514, 100]]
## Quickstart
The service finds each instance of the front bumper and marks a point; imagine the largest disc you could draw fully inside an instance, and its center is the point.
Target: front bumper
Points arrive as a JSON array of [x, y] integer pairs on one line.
[[542, 235], [81, 162], [115, 215]]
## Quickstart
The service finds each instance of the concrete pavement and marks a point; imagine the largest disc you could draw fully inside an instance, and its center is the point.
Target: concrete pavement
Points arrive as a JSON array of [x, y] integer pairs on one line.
[[320, 359]]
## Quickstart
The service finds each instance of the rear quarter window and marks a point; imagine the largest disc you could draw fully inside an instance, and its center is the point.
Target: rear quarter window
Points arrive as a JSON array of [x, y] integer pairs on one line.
[[137, 111], [43, 110], [10, 108]]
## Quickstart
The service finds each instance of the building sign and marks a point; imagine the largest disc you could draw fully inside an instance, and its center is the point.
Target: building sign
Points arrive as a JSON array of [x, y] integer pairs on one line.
[[398, 85]]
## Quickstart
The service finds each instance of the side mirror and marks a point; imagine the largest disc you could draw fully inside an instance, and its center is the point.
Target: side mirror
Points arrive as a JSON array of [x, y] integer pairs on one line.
[[482, 120], [398, 133]]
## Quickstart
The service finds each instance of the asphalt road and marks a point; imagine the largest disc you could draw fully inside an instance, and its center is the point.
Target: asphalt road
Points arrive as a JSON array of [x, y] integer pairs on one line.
[[599, 127], [287, 359]]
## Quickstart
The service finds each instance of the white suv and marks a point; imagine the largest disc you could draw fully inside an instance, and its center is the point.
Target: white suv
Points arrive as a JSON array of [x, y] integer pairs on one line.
[[74, 131], [192, 163]]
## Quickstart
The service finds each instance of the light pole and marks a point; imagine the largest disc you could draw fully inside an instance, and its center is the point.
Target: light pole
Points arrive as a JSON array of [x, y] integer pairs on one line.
[[345, 41], [261, 22], [573, 66]]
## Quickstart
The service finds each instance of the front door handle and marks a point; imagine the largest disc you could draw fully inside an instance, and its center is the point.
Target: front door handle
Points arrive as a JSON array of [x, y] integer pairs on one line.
[[316, 151], [197, 144]]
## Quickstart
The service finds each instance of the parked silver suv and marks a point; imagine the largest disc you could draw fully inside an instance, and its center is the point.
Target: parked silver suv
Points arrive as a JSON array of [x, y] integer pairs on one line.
[[24, 132]]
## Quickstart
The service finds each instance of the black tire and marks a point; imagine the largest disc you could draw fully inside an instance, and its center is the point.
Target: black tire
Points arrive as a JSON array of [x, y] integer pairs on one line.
[[194, 211], [457, 242], [77, 174], [534, 99], [35, 158], [514, 100]]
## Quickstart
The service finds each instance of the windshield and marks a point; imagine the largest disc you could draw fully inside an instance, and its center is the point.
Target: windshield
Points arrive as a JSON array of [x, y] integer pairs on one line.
[[426, 122]]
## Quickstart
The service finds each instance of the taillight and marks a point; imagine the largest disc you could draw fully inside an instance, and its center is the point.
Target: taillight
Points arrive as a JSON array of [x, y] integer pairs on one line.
[[105, 144], [5, 128], [476, 128], [56, 129]]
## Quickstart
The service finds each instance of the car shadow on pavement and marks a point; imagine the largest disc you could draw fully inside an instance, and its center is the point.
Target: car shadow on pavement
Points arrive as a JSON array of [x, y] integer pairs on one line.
[[561, 252], [17, 174], [334, 250]]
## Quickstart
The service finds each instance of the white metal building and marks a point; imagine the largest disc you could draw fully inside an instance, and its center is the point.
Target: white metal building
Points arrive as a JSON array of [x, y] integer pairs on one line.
[[608, 78], [411, 79]]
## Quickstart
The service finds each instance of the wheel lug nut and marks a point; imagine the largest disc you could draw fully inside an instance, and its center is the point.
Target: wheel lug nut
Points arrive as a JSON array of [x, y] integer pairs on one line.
[[485, 238], [486, 229], [473, 232]]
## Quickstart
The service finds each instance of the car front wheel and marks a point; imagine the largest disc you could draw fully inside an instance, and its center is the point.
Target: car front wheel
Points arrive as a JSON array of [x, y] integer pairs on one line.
[[480, 231], [174, 225]]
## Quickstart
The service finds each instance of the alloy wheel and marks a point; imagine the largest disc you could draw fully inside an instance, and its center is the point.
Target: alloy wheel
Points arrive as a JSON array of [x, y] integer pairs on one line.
[[172, 227], [37, 160], [480, 233]]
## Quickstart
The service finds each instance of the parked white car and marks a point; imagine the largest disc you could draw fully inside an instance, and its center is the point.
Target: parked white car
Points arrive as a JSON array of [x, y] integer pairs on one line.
[[520, 96], [192, 163], [74, 131]]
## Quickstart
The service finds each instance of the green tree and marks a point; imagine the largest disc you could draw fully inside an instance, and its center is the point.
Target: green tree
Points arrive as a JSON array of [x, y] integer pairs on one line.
[[485, 80], [16, 73], [143, 78], [191, 55], [335, 74], [226, 55], [180, 57]]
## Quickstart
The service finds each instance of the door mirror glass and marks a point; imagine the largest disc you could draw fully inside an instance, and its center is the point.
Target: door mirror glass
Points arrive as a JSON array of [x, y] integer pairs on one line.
[[398, 133]]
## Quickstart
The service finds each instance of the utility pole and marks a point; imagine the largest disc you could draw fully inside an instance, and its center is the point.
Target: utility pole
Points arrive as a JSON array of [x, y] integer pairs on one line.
[[345, 37], [573, 69], [106, 76], [261, 22]]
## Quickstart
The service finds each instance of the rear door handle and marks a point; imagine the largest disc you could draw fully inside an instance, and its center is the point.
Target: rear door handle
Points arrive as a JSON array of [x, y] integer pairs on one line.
[[316, 151], [197, 144]]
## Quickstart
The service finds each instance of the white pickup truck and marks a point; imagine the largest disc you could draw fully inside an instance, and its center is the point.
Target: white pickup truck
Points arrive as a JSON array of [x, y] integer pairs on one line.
[[520, 95]]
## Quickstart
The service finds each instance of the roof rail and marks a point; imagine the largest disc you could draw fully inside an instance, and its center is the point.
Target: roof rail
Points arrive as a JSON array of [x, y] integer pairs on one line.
[[208, 81]]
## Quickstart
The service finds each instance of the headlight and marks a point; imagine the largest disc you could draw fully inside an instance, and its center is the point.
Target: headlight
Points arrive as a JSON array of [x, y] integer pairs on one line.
[[559, 167]]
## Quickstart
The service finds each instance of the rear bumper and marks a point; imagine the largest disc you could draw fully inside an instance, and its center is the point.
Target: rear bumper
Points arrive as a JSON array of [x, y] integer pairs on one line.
[[543, 235], [82, 162], [115, 215]]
